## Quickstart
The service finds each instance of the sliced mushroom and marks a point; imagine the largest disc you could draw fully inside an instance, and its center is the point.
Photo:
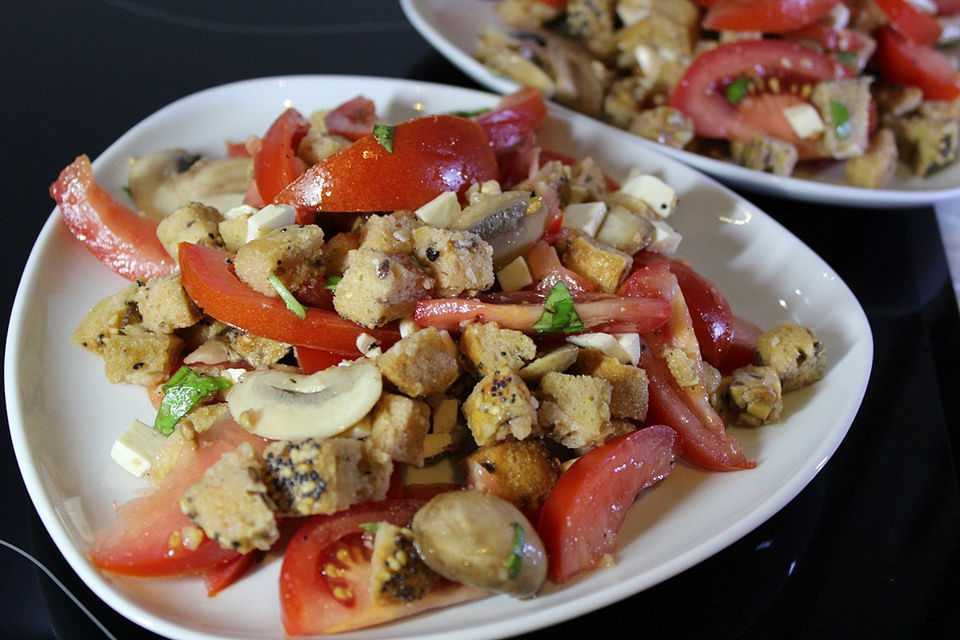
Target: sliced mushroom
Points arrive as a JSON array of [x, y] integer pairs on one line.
[[292, 406], [161, 182], [511, 222], [482, 541]]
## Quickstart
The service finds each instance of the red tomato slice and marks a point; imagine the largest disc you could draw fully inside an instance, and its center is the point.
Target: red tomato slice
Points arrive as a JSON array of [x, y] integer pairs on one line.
[[353, 119], [118, 236], [514, 120], [706, 448], [221, 576], [430, 155], [769, 16], [313, 360], [211, 283], [839, 40], [583, 512], [701, 92], [709, 309], [238, 150], [327, 557], [743, 346], [915, 25], [947, 7], [624, 315], [137, 542], [907, 63], [275, 164]]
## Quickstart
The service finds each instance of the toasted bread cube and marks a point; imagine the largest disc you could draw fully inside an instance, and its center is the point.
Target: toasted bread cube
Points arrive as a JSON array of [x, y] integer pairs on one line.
[[628, 384], [318, 145], [336, 249], [875, 168], [422, 364], [927, 144], [259, 352], [602, 265], [755, 395], [461, 262], [108, 318], [400, 425], [520, 472], [795, 353], [292, 254], [398, 573], [375, 469], [145, 358], [765, 153], [575, 409], [500, 407], [233, 231], [844, 139], [195, 223], [392, 233], [165, 306], [487, 347], [378, 287]]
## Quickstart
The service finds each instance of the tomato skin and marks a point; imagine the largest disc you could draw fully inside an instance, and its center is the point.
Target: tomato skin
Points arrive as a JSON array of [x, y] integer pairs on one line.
[[117, 236], [209, 281], [915, 25], [353, 119], [275, 164], [769, 16], [699, 93], [430, 155], [221, 576], [911, 64], [582, 513], [743, 346], [306, 600], [514, 120], [313, 360], [947, 7]]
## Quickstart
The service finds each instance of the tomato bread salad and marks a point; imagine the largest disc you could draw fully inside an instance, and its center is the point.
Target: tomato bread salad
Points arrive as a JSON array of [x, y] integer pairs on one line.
[[772, 85], [341, 300]]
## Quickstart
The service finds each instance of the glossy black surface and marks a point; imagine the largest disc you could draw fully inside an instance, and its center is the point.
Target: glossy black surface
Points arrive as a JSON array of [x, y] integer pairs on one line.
[[871, 548]]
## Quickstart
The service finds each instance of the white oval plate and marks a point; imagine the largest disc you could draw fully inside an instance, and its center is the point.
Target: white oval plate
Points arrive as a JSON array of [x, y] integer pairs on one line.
[[64, 416], [451, 26]]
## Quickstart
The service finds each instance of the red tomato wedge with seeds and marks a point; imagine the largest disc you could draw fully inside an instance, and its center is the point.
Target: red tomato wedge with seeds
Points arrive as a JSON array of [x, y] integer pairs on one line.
[[211, 283], [768, 16], [118, 236], [583, 512], [325, 577], [430, 155]]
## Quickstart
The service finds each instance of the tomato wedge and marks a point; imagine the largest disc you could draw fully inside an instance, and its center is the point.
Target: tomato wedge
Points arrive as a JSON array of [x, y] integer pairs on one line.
[[769, 16], [701, 92], [915, 25], [743, 346], [707, 448], [118, 236], [221, 576], [353, 119], [583, 512], [908, 63], [313, 360], [327, 556], [430, 155], [275, 165], [211, 283], [137, 542], [514, 120]]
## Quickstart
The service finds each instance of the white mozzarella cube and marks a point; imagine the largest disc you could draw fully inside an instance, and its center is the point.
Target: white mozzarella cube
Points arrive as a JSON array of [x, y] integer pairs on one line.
[[368, 345], [655, 192], [135, 448], [649, 60], [585, 216], [441, 212], [665, 238], [515, 275], [631, 344], [237, 212], [605, 343], [804, 119], [408, 326], [272, 216], [233, 375], [839, 16]]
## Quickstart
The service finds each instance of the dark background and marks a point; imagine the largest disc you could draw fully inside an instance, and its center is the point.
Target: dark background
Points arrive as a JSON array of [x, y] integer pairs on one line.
[[871, 548]]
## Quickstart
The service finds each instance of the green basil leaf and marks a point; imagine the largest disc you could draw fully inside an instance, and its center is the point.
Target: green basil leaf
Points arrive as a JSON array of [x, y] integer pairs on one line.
[[841, 119], [559, 313], [737, 89], [468, 114], [332, 283], [292, 303], [369, 527], [514, 561], [182, 392], [848, 58], [384, 135]]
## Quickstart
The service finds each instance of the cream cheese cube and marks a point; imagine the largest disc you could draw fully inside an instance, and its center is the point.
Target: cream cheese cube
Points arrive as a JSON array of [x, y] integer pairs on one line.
[[655, 192], [665, 238], [272, 216], [135, 448], [441, 212], [804, 119], [586, 217], [605, 343], [515, 275]]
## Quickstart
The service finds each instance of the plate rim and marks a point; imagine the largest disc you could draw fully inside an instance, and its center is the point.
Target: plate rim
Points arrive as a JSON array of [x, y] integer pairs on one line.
[[523, 622]]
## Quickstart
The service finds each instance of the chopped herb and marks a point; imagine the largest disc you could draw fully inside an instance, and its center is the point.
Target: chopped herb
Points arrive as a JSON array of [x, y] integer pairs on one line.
[[514, 561], [848, 58], [468, 114], [332, 283], [558, 312], [127, 191], [384, 135], [369, 527], [181, 393], [841, 119], [737, 89], [292, 303]]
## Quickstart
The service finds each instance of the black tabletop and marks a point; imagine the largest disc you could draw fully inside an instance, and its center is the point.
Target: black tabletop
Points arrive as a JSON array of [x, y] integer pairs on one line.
[[871, 548]]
